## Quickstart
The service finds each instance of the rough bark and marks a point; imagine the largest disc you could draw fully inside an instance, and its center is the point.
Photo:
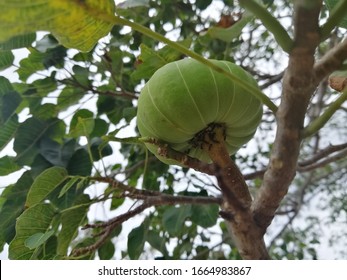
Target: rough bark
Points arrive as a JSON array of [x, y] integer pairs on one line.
[[299, 84], [237, 200]]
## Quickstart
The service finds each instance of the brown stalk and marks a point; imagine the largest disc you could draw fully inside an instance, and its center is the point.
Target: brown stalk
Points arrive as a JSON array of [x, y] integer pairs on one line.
[[237, 201]]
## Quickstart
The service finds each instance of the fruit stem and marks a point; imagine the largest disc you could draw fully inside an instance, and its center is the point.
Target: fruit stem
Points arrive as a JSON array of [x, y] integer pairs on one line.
[[229, 176], [236, 206]]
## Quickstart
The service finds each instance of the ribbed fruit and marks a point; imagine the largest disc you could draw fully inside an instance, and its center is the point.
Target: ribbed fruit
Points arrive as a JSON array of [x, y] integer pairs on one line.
[[185, 97]]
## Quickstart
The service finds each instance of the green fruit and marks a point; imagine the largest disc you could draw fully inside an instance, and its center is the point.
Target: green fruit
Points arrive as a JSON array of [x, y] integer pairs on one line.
[[185, 97]]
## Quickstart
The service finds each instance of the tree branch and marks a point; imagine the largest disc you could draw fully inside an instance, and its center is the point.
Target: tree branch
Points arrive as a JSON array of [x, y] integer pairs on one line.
[[322, 154], [108, 228], [150, 198], [272, 80], [342, 154], [298, 87], [330, 62], [157, 198], [237, 200], [309, 164], [254, 175], [123, 94]]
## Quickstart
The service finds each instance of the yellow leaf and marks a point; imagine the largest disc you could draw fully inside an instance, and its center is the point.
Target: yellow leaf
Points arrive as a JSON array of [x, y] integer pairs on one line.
[[67, 20]]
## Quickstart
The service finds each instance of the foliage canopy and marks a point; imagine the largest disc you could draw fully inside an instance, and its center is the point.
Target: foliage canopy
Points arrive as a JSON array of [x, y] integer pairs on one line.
[[70, 117]]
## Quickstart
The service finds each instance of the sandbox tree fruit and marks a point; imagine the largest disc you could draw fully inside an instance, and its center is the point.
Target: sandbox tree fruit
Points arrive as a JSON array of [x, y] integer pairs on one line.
[[185, 99]]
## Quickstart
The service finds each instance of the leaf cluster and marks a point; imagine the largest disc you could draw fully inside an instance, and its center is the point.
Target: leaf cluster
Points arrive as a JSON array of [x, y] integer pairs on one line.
[[64, 115]]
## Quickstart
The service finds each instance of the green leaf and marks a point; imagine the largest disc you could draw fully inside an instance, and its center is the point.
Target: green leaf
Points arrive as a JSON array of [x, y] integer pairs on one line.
[[37, 61], [46, 111], [37, 239], [69, 96], [5, 86], [26, 138], [8, 130], [31, 132], [56, 130], [151, 60], [28, 134], [70, 183], [107, 250], [129, 113], [64, 19], [8, 165], [82, 123], [44, 184], [71, 220], [80, 163], [202, 252], [331, 4], [68, 149], [8, 105], [84, 127], [69, 199], [100, 128], [52, 151], [157, 242], [34, 220], [232, 32], [13, 206], [81, 76], [99, 149], [44, 86], [174, 218], [9, 100], [205, 215], [31, 64], [203, 4], [19, 41], [6, 59], [113, 107], [136, 242], [39, 165], [116, 202]]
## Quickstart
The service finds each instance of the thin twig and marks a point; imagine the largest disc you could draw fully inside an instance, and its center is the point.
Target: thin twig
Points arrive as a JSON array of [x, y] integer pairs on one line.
[[272, 80], [311, 163], [322, 163], [160, 198], [149, 201], [322, 154], [330, 62], [111, 225]]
